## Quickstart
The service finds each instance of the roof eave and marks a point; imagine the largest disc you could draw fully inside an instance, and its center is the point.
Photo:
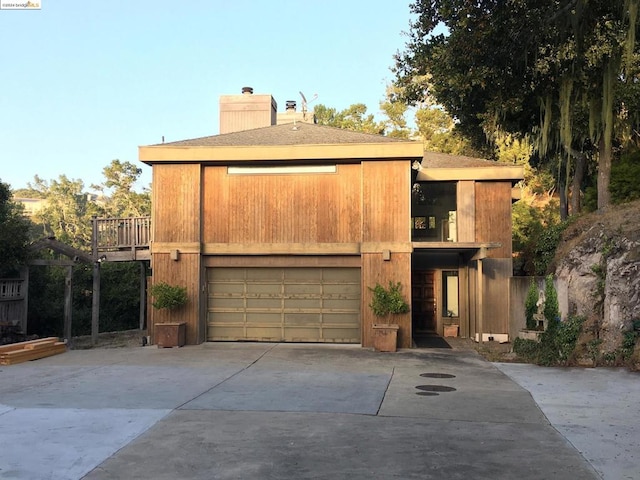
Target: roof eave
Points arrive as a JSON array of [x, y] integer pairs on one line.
[[224, 154]]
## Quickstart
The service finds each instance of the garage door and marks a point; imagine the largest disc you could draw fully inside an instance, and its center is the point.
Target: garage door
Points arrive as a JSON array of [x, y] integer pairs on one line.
[[284, 304]]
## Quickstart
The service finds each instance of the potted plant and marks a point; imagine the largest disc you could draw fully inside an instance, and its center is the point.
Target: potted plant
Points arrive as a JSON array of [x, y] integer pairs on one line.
[[169, 297], [387, 302]]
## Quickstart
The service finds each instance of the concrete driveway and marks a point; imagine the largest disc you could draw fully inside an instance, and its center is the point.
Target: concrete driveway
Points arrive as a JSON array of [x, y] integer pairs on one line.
[[274, 411]]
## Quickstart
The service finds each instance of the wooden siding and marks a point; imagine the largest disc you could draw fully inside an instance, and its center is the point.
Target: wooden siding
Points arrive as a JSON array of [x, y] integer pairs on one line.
[[184, 272], [495, 303], [386, 200], [493, 216], [376, 270], [311, 208], [176, 203], [466, 211], [281, 261]]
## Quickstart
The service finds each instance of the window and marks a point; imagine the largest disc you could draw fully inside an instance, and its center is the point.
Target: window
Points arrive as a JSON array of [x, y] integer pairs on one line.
[[433, 211], [450, 301]]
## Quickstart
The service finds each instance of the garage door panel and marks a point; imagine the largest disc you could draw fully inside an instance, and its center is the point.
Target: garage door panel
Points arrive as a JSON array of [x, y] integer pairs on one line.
[[263, 334], [302, 289], [229, 303], [302, 275], [225, 274], [306, 319], [284, 304], [348, 289], [263, 318], [273, 289], [302, 303], [264, 303]]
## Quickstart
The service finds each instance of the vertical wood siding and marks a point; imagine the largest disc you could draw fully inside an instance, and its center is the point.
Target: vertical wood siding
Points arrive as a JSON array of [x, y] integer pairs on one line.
[[386, 201], [466, 211], [282, 208], [176, 203], [375, 270], [186, 273], [493, 216]]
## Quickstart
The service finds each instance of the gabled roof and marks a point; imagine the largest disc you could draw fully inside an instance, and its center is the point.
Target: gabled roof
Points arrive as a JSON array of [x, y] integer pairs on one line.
[[287, 134]]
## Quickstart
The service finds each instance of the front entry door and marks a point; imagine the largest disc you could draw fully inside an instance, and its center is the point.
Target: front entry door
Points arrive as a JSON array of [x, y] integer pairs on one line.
[[423, 301]]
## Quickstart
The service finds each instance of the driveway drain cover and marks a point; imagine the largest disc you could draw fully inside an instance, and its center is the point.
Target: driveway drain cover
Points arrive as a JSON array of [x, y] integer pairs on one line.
[[437, 375], [428, 394], [435, 388]]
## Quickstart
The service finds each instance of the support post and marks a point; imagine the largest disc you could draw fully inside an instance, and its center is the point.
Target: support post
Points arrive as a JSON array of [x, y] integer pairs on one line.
[[67, 305], [95, 304], [480, 302], [143, 293], [25, 301]]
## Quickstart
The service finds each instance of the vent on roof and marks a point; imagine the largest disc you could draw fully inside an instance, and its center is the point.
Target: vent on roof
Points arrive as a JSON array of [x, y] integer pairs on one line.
[[291, 105], [247, 90]]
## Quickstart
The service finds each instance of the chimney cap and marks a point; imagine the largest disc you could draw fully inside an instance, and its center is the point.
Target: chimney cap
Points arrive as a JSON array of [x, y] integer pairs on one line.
[[247, 90], [291, 105]]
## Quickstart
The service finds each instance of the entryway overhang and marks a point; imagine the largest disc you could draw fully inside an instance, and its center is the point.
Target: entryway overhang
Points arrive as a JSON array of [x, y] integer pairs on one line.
[[468, 250]]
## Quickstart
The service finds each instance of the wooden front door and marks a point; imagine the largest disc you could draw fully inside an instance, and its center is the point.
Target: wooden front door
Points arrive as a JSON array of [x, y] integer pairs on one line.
[[423, 301]]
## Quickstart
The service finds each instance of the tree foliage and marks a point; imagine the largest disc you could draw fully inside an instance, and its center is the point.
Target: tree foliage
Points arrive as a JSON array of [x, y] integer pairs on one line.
[[14, 234], [67, 210], [353, 118], [559, 71], [120, 199]]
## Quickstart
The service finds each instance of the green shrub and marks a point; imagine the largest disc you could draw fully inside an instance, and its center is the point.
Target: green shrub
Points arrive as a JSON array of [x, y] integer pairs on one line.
[[531, 304], [388, 301], [625, 172], [551, 309], [168, 296], [556, 345]]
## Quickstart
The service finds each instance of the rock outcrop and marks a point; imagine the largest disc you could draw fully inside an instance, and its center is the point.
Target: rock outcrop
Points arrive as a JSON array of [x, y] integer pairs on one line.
[[599, 262]]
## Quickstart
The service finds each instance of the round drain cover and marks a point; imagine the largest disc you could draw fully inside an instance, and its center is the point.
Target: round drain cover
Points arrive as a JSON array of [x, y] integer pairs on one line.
[[437, 375], [435, 388], [428, 394]]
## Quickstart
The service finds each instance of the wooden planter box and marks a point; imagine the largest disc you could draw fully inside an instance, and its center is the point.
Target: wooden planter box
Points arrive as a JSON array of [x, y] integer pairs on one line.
[[170, 334], [451, 330], [385, 337]]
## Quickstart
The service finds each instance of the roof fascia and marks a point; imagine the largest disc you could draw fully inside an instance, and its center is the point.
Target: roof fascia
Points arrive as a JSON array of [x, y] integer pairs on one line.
[[513, 173], [224, 154]]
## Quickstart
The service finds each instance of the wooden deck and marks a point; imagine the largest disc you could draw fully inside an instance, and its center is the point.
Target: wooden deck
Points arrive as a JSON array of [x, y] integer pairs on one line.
[[122, 239]]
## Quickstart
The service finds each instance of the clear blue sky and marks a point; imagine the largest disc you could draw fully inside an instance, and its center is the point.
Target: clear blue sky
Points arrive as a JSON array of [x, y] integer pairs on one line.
[[86, 82]]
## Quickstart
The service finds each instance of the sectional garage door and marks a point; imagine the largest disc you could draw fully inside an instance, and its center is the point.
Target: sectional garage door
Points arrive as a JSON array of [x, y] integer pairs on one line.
[[284, 304]]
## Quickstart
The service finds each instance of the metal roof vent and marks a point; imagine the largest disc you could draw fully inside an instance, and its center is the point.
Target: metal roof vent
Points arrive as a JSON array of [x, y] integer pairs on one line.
[[291, 105], [247, 90]]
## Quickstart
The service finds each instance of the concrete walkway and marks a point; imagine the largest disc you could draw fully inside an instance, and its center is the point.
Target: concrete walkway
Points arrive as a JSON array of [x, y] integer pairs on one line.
[[275, 411], [596, 409]]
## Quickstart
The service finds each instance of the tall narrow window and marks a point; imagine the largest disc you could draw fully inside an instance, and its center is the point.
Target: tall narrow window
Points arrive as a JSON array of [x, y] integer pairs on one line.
[[450, 300]]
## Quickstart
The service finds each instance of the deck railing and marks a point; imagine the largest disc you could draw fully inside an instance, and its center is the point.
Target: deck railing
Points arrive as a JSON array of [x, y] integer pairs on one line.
[[121, 233], [11, 289]]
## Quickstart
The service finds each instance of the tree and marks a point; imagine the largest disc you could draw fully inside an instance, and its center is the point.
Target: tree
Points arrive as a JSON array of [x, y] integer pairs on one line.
[[14, 233], [353, 118], [119, 196], [67, 210], [555, 70]]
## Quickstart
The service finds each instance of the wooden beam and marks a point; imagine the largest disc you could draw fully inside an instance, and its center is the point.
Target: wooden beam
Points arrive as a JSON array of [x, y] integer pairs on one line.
[[52, 263], [281, 249], [63, 248]]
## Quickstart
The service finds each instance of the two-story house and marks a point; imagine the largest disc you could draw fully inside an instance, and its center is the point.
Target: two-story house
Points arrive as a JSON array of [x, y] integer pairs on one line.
[[278, 231]]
